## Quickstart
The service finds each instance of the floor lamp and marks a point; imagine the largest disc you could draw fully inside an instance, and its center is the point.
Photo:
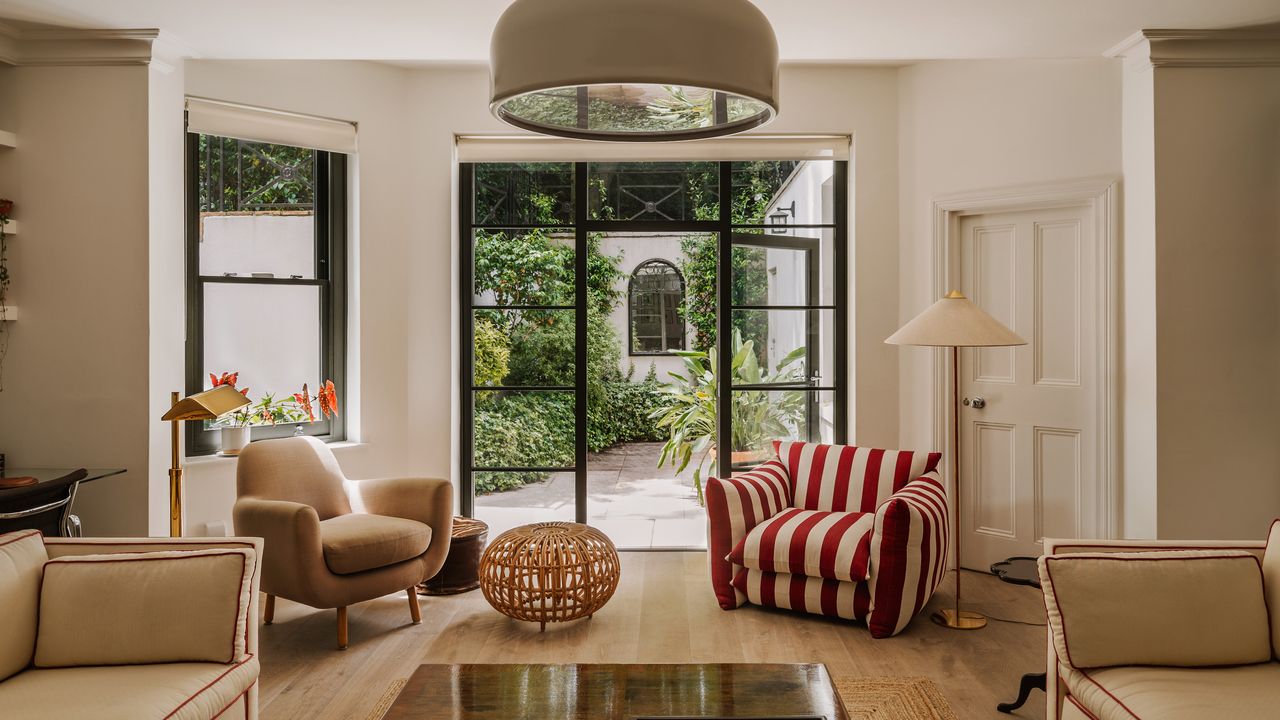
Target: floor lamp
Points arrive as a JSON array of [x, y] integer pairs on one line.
[[207, 405], [955, 322]]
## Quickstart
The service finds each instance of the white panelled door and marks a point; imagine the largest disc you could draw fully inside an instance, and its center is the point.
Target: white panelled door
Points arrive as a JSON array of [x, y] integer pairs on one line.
[[1027, 422]]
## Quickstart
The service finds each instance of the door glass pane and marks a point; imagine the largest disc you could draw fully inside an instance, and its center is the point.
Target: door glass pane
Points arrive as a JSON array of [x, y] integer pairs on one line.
[[515, 429], [269, 334], [790, 192], [785, 266], [505, 500], [257, 208], [534, 267], [520, 348], [786, 346], [523, 194], [760, 417], [654, 191]]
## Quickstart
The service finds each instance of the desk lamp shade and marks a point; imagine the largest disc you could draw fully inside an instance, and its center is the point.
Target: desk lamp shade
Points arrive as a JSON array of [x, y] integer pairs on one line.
[[954, 321], [207, 405]]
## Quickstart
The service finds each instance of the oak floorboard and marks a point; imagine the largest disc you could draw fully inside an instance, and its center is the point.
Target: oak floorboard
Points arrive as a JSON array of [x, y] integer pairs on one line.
[[663, 611]]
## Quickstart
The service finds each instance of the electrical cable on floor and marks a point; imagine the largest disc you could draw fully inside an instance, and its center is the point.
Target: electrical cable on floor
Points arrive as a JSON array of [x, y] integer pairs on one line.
[[1000, 619]]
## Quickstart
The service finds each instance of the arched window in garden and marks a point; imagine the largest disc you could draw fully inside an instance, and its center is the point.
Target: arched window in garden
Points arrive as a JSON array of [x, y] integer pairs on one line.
[[656, 292]]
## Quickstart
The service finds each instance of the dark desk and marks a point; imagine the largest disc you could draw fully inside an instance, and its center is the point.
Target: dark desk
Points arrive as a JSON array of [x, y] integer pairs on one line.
[[46, 504]]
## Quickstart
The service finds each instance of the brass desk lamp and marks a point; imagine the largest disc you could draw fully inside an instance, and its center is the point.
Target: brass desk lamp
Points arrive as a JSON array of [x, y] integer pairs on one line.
[[207, 405]]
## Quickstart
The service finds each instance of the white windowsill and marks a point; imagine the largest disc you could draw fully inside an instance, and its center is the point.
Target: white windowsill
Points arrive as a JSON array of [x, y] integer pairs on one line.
[[215, 458]]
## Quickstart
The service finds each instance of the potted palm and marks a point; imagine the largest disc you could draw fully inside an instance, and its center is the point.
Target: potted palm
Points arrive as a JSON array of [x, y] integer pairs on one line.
[[689, 416]]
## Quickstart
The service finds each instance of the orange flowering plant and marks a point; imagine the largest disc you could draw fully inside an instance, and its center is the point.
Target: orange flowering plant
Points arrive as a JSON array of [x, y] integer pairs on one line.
[[297, 408]]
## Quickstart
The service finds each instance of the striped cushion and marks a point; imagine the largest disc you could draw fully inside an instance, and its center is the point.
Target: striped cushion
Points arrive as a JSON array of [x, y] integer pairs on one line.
[[813, 543], [908, 554], [805, 594], [848, 478], [735, 506]]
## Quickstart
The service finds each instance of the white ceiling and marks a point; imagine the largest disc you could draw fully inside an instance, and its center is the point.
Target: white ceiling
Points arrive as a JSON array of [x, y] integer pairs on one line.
[[808, 30]]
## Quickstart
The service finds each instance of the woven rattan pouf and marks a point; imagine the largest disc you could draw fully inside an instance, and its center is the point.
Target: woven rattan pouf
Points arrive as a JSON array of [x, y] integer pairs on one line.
[[549, 572]]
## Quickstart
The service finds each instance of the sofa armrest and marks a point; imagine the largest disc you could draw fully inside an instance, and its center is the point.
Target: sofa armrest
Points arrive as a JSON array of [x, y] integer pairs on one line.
[[292, 555], [67, 547], [909, 546], [734, 506], [426, 500]]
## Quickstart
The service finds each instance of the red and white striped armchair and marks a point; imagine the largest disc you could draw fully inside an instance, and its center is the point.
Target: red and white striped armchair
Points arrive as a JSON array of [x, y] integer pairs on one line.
[[837, 530]]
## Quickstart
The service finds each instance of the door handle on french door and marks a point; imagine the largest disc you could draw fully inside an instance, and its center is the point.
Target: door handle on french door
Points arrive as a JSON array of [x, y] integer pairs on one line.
[[976, 403]]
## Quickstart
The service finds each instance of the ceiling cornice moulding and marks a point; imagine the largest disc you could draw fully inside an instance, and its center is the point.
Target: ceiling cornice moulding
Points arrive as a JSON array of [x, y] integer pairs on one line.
[[1202, 48], [71, 46]]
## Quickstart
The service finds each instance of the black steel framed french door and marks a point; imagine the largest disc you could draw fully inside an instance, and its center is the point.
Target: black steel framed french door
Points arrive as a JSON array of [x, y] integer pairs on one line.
[[817, 306]]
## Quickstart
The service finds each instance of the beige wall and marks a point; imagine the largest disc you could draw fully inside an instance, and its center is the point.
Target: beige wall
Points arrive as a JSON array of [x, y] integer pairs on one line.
[[973, 125], [1217, 279], [76, 376]]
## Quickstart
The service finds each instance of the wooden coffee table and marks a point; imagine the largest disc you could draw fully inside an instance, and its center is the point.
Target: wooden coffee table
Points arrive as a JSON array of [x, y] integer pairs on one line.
[[624, 692]]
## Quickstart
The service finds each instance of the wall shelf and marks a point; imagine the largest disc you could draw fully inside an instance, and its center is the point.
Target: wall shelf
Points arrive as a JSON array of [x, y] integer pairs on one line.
[[8, 139], [11, 227], [11, 313]]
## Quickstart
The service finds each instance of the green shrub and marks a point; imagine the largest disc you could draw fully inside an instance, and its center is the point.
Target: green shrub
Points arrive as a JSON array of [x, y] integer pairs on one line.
[[492, 353], [626, 415], [522, 429]]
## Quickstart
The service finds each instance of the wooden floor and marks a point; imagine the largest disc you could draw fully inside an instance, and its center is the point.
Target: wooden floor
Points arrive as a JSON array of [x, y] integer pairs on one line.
[[663, 612]]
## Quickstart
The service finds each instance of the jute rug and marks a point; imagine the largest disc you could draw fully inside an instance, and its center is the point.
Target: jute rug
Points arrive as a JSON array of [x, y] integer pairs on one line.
[[893, 698], [882, 698], [388, 697]]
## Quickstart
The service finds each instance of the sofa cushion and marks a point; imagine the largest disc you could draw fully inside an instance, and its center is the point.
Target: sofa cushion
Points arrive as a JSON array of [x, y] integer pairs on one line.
[[1163, 693], [844, 477], [115, 609], [1182, 608], [357, 542], [832, 545], [1271, 576], [22, 557], [174, 691]]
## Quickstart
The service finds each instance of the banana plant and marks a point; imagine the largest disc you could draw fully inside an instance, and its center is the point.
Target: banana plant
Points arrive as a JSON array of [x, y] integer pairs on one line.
[[689, 416]]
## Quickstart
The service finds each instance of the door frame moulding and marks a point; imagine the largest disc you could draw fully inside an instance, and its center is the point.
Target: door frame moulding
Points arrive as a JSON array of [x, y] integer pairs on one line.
[[1100, 195]]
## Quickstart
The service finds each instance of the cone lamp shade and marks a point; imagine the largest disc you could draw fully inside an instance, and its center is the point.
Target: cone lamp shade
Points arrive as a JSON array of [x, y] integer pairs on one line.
[[634, 70], [954, 321]]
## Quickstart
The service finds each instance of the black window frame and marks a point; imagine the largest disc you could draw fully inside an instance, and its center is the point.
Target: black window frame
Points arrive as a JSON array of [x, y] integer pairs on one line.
[[331, 212], [631, 311], [728, 234]]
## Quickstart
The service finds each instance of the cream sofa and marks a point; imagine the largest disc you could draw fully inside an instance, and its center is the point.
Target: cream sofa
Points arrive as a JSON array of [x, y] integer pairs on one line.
[[116, 629], [1171, 630]]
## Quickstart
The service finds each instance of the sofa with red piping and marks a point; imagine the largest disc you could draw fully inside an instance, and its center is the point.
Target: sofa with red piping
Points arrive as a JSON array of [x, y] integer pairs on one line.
[[1174, 630], [843, 531], [129, 628]]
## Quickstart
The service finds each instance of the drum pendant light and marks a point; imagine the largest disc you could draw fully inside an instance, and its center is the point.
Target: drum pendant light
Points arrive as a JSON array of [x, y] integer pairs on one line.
[[634, 70]]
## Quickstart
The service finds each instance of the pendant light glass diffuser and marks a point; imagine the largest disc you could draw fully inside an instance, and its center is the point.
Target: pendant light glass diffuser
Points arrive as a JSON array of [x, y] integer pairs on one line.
[[634, 70]]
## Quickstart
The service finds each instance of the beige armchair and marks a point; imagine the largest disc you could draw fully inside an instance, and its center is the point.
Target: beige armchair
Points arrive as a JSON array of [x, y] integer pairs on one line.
[[331, 542]]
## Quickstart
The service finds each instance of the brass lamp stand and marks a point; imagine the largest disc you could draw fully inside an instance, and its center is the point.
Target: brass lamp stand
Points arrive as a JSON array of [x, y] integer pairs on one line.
[[955, 322], [207, 405]]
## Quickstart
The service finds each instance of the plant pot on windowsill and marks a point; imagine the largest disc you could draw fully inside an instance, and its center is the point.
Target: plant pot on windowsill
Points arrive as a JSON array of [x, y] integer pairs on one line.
[[234, 439]]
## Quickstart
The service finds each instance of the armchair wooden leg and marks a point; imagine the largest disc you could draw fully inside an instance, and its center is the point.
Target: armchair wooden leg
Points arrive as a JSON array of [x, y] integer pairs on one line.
[[414, 611], [342, 628], [269, 614]]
